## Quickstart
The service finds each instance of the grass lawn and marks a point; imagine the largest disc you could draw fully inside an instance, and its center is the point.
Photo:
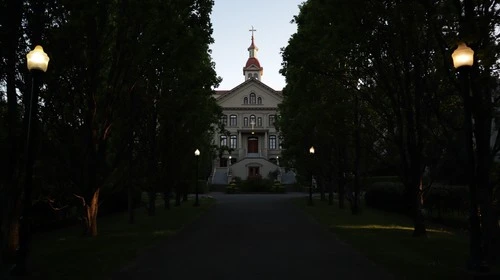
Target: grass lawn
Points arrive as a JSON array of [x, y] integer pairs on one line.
[[66, 254], [386, 239]]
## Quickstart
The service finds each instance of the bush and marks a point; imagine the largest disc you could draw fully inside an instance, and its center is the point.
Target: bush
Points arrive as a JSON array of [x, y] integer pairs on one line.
[[387, 196], [256, 184], [277, 187], [232, 187], [446, 199], [438, 199], [202, 186]]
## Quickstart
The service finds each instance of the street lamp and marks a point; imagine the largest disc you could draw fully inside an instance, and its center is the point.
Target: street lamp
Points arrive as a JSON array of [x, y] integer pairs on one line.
[[197, 155], [311, 152], [463, 59], [37, 62]]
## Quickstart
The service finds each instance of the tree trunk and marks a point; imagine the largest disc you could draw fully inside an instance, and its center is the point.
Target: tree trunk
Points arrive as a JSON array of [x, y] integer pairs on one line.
[[151, 203], [10, 208], [91, 210], [322, 188], [130, 205], [357, 148], [177, 196], [330, 191], [166, 199], [418, 215]]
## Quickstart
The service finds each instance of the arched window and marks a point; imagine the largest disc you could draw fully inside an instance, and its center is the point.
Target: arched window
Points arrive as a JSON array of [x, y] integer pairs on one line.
[[233, 120], [245, 100], [255, 75], [223, 119], [259, 100], [272, 120], [249, 75], [245, 122], [252, 119], [252, 98], [223, 140], [272, 142], [233, 142]]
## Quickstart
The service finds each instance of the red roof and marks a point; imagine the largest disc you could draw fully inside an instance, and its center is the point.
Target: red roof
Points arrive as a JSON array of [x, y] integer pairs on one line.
[[252, 61]]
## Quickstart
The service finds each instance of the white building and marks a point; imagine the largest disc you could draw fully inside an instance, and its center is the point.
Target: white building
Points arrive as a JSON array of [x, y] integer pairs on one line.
[[252, 141]]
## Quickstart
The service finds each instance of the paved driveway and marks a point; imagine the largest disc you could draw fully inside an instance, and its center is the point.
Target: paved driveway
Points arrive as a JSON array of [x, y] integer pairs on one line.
[[253, 237]]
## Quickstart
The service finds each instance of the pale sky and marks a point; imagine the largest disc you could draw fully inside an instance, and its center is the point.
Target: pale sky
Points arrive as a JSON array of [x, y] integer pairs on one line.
[[232, 20]]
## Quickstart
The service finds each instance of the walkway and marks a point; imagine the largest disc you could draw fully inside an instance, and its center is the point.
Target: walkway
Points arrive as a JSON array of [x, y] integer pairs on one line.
[[253, 237]]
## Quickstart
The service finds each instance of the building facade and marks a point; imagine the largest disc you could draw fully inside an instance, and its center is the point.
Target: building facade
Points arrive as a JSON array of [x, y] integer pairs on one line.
[[250, 146]]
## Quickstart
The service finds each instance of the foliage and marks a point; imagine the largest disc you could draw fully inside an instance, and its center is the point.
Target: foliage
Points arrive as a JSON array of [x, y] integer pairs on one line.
[[440, 200], [386, 196], [278, 187], [256, 184], [375, 86], [233, 187]]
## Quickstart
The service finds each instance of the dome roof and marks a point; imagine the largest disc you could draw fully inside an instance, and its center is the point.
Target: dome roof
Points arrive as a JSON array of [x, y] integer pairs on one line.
[[252, 61]]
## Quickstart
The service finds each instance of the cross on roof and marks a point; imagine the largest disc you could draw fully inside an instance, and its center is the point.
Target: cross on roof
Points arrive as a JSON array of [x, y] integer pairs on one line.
[[252, 30]]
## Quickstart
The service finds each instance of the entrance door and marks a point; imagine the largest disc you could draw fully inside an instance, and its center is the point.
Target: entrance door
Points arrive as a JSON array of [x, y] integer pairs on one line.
[[253, 171], [253, 145]]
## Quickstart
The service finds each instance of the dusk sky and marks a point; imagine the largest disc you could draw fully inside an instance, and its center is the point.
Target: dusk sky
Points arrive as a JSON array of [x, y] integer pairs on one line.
[[232, 20]]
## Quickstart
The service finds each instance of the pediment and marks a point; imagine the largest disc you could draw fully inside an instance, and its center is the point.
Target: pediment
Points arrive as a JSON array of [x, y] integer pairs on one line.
[[235, 98]]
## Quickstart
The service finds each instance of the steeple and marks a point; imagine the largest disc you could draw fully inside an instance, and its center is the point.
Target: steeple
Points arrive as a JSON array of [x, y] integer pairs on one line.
[[252, 69]]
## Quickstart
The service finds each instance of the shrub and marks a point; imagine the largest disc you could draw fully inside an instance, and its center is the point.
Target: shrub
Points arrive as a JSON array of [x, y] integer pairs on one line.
[[446, 199], [232, 187], [256, 184], [202, 186], [277, 187], [387, 196]]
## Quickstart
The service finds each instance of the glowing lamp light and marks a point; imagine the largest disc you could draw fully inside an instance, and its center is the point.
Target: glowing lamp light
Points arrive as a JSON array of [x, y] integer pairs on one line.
[[197, 152], [463, 56], [311, 150], [37, 59]]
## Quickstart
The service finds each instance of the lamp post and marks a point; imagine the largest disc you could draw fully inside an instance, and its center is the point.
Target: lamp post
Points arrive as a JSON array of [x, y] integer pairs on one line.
[[463, 59], [311, 152], [197, 155], [37, 62]]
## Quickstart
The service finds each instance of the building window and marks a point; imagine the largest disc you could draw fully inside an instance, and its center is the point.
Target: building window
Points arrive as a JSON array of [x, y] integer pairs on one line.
[[223, 140], [259, 100], [245, 122], [252, 119], [249, 75], [223, 119], [252, 98], [255, 75], [245, 100], [233, 144], [272, 142], [233, 120], [259, 122], [272, 119]]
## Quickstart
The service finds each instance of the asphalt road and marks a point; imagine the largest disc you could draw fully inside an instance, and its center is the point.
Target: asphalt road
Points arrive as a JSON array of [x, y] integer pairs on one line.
[[253, 237]]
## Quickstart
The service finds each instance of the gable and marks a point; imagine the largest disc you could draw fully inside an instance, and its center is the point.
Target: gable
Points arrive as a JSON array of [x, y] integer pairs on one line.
[[254, 91]]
